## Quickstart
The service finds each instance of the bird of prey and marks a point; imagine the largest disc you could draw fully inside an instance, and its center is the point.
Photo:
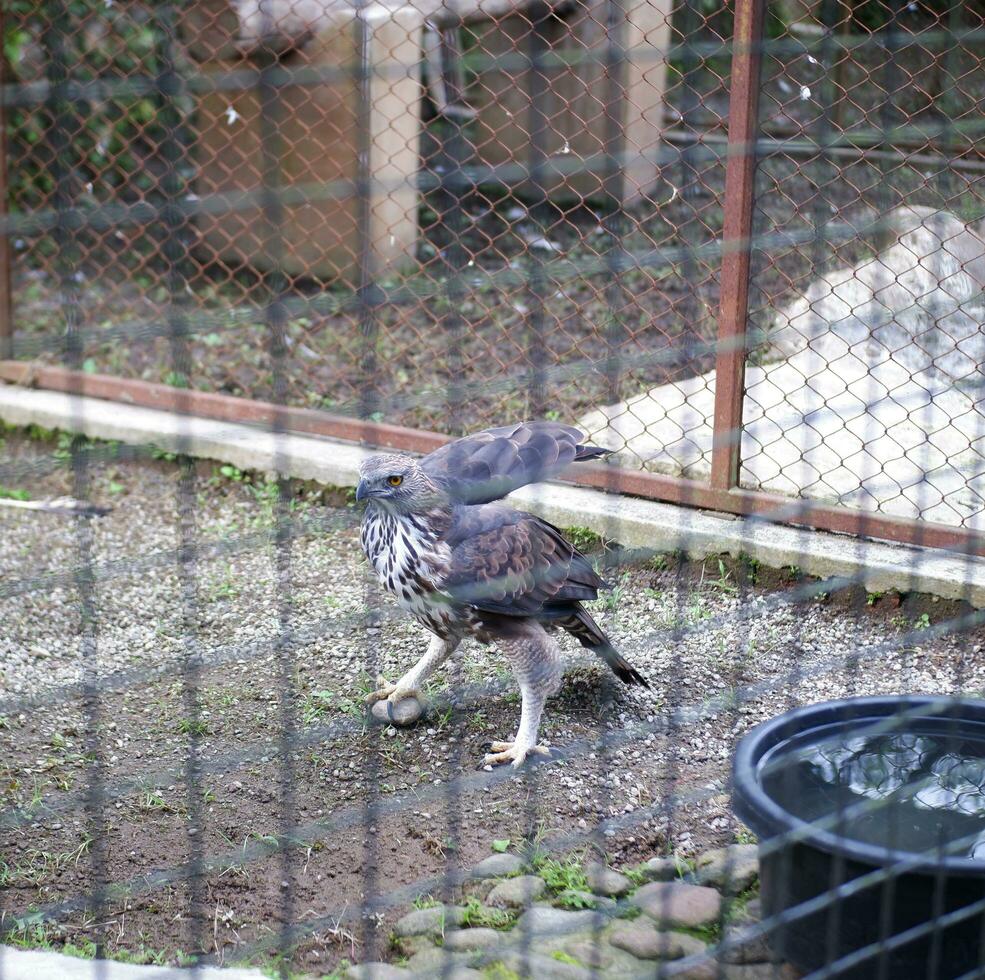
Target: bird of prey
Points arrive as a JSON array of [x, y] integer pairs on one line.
[[464, 565]]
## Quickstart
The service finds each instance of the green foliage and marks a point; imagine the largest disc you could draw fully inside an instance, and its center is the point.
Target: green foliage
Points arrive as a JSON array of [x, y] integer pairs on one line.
[[563, 876], [193, 726], [501, 846], [474, 913], [563, 957], [13, 494], [584, 538], [922, 622]]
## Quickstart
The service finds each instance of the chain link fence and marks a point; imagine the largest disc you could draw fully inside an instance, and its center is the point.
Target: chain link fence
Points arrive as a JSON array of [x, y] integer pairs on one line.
[[740, 247]]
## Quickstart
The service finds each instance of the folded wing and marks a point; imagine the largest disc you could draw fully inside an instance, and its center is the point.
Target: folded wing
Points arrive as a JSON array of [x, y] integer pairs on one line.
[[515, 564]]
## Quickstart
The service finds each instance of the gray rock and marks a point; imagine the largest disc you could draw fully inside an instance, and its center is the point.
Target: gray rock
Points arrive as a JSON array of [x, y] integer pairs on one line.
[[468, 940], [641, 938], [479, 888], [553, 922], [536, 966], [659, 869], [594, 951], [605, 881], [753, 950], [675, 903], [406, 712], [517, 893], [498, 866], [376, 971], [457, 973], [409, 945], [731, 869], [428, 922], [430, 962], [751, 971]]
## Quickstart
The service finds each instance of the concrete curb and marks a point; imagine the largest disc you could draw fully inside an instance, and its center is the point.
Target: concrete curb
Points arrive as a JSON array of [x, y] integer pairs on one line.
[[633, 522], [38, 964]]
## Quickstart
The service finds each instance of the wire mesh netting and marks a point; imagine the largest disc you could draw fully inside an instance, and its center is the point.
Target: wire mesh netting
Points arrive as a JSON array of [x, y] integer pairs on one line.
[[425, 220]]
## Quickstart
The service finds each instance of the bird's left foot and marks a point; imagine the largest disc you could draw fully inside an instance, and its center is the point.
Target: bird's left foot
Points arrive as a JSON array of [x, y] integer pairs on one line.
[[513, 752]]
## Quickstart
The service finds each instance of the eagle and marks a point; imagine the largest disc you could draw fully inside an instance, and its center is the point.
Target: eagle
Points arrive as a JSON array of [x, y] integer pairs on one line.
[[463, 564]]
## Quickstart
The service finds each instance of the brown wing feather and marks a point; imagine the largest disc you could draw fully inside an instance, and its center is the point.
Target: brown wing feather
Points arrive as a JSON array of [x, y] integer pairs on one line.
[[520, 569]]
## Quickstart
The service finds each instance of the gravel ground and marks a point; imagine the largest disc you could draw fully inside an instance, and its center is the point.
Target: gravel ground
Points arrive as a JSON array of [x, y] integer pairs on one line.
[[643, 772]]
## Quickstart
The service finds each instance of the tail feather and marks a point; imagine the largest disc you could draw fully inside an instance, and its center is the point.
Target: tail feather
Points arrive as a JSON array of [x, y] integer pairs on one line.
[[583, 452], [589, 634]]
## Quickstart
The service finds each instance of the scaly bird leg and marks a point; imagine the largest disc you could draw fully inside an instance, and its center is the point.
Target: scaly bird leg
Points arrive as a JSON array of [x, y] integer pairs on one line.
[[438, 652], [538, 668]]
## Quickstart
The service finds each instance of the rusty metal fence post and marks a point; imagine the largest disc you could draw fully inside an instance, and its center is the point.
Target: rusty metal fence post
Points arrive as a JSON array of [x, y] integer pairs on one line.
[[737, 242]]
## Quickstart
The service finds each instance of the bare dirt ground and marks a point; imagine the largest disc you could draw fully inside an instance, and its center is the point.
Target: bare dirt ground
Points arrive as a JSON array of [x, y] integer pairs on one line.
[[94, 776]]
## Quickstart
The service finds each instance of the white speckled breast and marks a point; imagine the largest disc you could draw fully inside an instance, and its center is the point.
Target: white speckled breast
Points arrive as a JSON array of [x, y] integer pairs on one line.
[[410, 562]]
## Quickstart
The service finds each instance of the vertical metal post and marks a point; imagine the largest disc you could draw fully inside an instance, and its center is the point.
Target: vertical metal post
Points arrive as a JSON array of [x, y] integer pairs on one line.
[[736, 242], [6, 285]]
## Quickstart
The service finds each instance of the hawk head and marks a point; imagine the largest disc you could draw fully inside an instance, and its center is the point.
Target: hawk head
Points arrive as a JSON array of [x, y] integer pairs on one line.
[[397, 483]]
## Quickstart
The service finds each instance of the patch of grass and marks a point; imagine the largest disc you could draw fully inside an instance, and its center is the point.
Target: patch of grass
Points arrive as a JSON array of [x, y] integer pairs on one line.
[[722, 582], [567, 880], [474, 913], [193, 726], [425, 902], [563, 957], [8, 493], [584, 538], [499, 971]]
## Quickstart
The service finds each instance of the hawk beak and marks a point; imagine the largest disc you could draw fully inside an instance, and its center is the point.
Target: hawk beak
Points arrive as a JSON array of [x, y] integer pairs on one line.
[[362, 491]]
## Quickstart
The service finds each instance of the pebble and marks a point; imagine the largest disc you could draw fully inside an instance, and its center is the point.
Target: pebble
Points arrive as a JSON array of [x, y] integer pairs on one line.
[[754, 950], [428, 922], [466, 940], [680, 904], [517, 893], [536, 966], [406, 712], [376, 971], [659, 869], [605, 881], [550, 921], [498, 866], [732, 869], [641, 938]]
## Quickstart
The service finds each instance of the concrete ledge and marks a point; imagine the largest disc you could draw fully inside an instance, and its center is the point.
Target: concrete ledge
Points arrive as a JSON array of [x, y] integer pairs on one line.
[[35, 964], [633, 522]]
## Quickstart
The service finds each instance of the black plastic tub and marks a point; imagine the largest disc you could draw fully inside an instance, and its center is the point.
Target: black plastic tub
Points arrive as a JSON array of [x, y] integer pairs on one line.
[[904, 912]]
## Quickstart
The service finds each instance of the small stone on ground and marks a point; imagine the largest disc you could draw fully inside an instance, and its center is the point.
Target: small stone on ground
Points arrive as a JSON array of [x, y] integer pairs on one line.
[[680, 904], [732, 869], [465, 940], [427, 922], [498, 866], [517, 893], [605, 881], [641, 938]]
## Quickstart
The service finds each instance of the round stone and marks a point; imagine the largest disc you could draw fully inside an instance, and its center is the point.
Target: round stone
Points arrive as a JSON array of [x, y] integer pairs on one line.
[[402, 713]]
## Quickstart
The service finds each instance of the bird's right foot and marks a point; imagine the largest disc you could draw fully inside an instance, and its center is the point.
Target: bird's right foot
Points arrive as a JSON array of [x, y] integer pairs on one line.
[[383, 691]]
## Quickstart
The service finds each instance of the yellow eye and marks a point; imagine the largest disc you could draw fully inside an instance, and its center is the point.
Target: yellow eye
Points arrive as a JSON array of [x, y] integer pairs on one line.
[[394, 481]]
